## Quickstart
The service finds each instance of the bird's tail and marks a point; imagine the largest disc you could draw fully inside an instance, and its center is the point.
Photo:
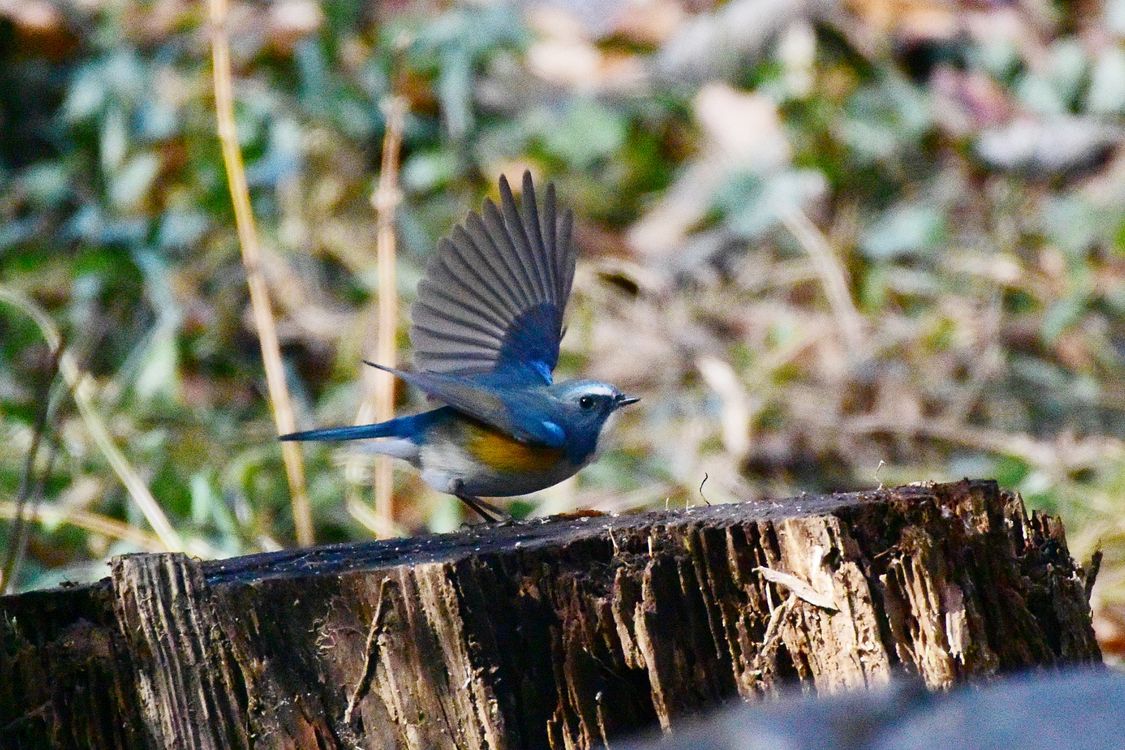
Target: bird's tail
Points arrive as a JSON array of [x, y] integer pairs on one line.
[[403, 427], [355, 432]]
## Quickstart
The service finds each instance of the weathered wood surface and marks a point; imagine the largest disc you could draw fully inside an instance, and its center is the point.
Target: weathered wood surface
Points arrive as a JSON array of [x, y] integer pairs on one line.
[[560, 633]]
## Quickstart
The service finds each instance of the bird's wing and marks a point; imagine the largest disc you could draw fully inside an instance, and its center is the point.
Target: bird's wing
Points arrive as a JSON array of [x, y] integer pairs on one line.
[[493, 296], [515, 411]]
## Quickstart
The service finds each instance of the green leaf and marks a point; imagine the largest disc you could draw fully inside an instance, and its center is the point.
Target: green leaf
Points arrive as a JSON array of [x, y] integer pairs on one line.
[[587, 132], [157, 373], [47, 183], [1061, 315], [427, 170], [133, 180], [86, 95], [114, 139], [754, 205], [1106, 94], [906, 229]]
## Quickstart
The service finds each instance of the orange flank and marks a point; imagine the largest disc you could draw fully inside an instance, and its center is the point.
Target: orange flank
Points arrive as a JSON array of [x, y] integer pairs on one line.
[[503, 453]]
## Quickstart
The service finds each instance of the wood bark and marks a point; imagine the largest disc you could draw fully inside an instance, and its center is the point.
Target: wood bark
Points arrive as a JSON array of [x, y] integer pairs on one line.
[[562, 633]]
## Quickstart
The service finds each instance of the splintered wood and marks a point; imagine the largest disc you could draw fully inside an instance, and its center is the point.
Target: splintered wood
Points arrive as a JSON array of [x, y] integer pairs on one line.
[[557, 633]]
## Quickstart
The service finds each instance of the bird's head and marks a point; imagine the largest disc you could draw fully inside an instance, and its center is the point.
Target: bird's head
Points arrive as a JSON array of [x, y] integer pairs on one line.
[[588, 405]]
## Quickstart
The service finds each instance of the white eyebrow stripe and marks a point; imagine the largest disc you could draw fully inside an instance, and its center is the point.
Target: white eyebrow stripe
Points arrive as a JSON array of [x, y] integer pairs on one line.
[[598, 390]]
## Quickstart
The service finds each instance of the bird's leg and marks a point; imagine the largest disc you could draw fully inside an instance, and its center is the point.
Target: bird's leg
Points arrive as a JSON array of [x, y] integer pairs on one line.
[[496, 510], [487, 511], [484, 509]]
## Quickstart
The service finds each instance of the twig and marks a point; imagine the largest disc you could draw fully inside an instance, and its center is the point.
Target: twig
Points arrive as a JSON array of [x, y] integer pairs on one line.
[[706, 476], [30, 509], [385, 200], [18, 537], [371, 652], [80, 390], [1090, 576], [776, 615], [771, 638], [280, 403]]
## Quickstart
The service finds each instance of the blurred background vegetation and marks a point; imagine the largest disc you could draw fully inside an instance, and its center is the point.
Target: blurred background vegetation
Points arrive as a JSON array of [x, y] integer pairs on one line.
[[832, 245]]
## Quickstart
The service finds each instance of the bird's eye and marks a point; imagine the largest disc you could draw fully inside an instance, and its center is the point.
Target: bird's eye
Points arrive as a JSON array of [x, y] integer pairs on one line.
[[586, 402]]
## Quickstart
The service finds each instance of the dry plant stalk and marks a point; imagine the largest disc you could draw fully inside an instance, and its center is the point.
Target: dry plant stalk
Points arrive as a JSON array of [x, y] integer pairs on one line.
[[365, 515], [385, 199], [834, 278], [80, 387], [280, 403], [85, 519], [29, 486]]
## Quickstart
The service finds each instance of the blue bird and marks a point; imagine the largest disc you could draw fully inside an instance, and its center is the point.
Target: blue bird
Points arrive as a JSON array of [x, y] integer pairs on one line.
[[486, 326]]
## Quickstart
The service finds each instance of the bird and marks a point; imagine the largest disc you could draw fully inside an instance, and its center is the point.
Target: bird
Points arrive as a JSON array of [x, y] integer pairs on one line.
[[486, 325]]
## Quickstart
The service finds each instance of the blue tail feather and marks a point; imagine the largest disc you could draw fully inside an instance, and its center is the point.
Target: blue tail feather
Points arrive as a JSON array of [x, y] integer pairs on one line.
[[404, 427], [355, 432]]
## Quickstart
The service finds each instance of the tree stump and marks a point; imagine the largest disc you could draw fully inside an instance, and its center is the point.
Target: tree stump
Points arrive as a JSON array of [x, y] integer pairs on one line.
[[561, 633]]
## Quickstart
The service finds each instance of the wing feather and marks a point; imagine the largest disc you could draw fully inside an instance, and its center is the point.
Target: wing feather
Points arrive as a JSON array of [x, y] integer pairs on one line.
[[532, 255], [567, 254], [545, 228], [516, 260], [493, 297], [473, 245], [461, 282], [468, 343], [447, 294]]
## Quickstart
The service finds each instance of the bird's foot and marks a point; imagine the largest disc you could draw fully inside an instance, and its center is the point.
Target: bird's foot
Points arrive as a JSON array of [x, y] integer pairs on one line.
[[486, 510]]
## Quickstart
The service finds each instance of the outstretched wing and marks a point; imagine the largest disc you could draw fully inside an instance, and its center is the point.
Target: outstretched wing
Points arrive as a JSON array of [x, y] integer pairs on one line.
[[493, 297]]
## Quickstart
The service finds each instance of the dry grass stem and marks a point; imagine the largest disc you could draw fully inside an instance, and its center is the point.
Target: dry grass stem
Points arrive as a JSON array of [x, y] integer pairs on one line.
[[362, 513], [18, 536], [833, 277], [80, 387], [1065, 454], [379, 404], [280, 402], [95, 522]]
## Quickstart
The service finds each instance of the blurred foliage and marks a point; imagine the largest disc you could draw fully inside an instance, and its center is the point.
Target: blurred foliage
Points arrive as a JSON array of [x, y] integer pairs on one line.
[[830, 245]]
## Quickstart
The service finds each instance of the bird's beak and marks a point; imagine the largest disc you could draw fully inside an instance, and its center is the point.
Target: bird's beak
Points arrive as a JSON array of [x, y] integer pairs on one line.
[[624, 400]]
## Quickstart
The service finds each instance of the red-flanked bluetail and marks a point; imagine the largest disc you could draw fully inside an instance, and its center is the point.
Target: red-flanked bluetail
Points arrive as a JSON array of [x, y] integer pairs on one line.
[[485, 328]]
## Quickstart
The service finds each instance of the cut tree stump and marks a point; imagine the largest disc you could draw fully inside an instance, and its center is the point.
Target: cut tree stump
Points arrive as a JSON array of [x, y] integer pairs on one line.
[[562, 633]]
